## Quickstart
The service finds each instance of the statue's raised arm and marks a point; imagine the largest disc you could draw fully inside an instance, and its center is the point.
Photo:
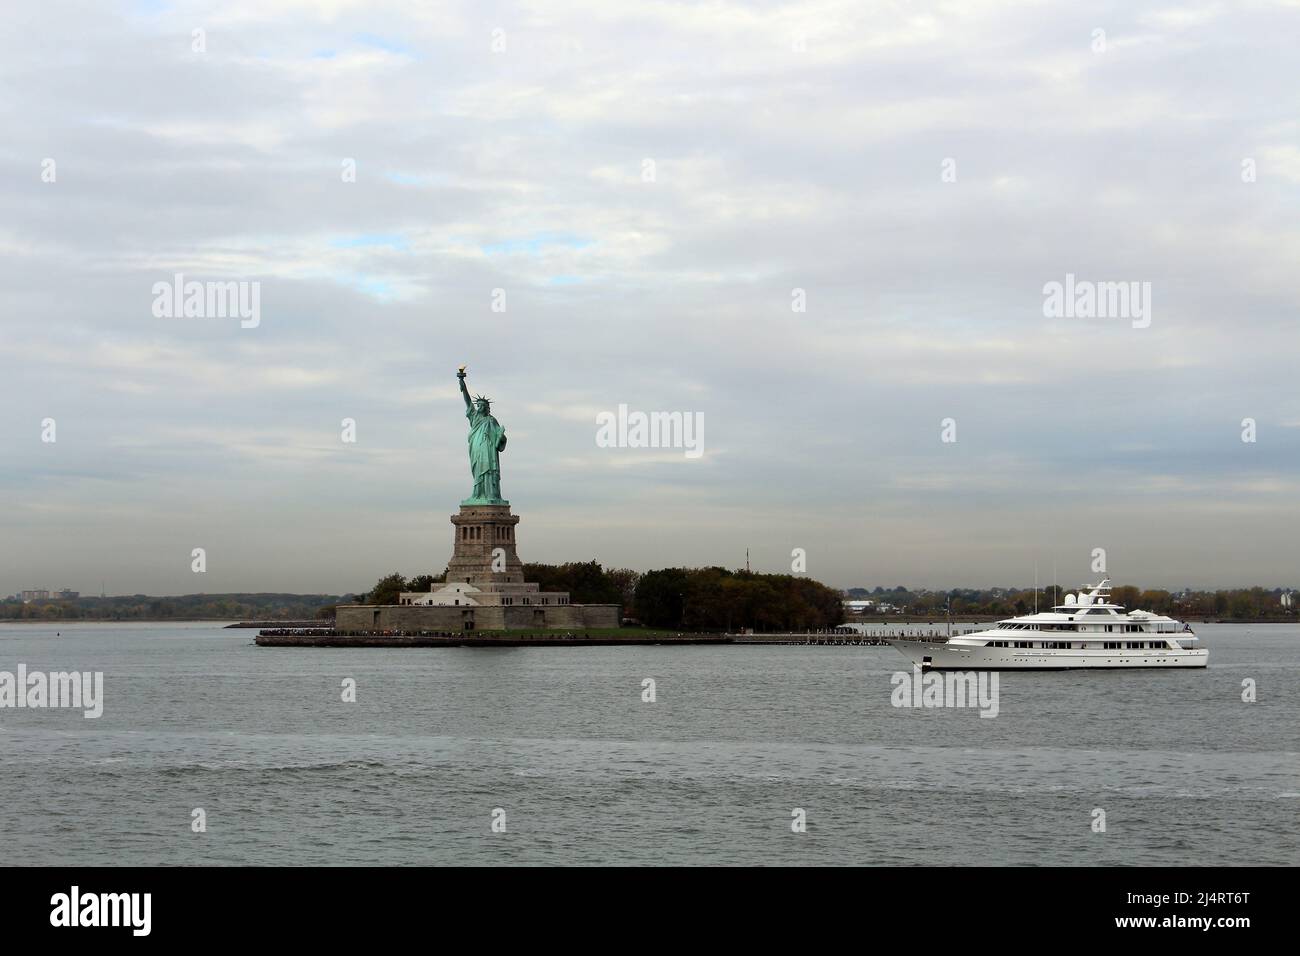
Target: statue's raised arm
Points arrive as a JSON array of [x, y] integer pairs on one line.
[[460, 375]]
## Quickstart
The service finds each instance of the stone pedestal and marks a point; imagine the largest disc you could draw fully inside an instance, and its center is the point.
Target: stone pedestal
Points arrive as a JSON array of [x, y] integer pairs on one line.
[[484, 550], [497, 598]]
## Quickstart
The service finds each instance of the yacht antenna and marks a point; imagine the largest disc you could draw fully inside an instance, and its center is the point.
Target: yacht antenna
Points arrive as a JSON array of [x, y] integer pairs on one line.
[[1035, 587]]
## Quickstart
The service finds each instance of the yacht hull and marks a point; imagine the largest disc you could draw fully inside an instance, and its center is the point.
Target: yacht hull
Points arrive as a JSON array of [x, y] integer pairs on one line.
[[942, 655]]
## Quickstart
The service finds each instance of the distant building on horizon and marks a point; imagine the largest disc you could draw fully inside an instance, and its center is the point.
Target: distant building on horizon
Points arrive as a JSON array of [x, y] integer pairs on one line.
[[44, 594]]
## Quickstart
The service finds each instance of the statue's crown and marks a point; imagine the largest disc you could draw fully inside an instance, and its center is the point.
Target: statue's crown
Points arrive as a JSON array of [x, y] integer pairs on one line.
[[482, 398]]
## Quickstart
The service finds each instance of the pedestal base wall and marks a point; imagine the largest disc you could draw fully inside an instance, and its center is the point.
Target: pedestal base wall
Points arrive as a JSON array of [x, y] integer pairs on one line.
[[402, 617]]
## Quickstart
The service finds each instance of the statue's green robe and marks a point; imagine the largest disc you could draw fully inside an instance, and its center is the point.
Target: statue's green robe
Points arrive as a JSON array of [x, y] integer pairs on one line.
[[487, 439]]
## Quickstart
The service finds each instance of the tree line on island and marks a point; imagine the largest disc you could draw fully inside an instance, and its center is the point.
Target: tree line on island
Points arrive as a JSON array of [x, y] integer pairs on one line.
[[686, 599]]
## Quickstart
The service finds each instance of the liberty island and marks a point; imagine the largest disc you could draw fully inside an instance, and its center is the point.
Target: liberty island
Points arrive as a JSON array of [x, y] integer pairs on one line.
[[484, 586]]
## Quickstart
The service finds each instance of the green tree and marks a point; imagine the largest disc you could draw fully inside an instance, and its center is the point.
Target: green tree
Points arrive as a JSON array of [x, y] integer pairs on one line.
[[625, 580], [387, 589], [424, 582], [713, 599], [660, 597], [586, 581], [1125, 595]]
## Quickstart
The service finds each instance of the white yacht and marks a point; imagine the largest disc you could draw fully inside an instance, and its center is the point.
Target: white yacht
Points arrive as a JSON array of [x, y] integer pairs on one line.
[[1086, 631]]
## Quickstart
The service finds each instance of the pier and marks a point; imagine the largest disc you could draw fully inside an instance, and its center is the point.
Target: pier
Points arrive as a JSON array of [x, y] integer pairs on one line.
[[330, 637], [323, 637]]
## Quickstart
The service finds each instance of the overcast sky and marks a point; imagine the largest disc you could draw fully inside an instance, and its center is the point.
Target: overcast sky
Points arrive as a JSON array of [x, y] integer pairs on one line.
[[649, 183]]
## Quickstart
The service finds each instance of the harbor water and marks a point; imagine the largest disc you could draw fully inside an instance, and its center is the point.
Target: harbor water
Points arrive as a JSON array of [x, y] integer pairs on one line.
[[564, 751]]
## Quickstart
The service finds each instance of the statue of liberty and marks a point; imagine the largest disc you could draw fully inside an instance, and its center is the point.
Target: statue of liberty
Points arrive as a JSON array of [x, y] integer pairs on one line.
[[487, 439]]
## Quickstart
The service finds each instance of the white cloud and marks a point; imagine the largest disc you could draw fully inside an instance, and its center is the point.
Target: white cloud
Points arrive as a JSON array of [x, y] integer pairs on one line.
[[794, 146]]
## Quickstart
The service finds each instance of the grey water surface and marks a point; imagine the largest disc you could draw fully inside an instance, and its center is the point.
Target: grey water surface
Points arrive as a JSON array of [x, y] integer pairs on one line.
[[586, 772]]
